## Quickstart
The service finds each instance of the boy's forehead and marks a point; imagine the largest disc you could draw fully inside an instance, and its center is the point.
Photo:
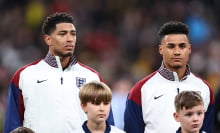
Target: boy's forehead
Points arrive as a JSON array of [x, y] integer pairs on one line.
[[194, 108]]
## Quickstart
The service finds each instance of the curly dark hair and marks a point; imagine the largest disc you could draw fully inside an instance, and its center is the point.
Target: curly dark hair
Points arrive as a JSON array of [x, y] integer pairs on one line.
[[49, 24], [173, 27]]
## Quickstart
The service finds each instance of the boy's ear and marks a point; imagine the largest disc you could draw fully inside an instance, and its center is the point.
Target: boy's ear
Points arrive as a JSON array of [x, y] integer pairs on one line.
[[84, 107], [176, 116]]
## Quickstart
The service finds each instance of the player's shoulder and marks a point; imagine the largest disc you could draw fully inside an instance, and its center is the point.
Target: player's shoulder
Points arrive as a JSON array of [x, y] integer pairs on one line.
[[138, 85], [135, 93], [81, 65], [197, 79], [82, 68], [17, 73]]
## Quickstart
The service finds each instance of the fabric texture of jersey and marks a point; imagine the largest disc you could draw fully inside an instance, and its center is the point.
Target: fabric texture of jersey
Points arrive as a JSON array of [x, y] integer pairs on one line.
[[109, 128], [44, 97], [150, 104]]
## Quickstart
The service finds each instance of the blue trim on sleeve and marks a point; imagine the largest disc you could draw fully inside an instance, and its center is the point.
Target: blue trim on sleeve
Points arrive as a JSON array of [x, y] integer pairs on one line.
[[111, 118], [12, 118], [133, 118], [209, 119]]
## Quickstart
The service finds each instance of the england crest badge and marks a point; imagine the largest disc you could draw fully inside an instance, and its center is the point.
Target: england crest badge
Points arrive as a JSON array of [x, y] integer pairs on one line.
[[80, 81]]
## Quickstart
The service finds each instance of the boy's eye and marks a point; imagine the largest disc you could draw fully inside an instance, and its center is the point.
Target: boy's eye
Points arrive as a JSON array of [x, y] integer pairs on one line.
[[97, 103], [199, 113], [106, 103], [188, 114]]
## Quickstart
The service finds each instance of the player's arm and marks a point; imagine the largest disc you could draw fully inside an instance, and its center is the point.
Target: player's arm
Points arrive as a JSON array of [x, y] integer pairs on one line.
[[14, 116], [209, 116], [111, 118], [133, 118]]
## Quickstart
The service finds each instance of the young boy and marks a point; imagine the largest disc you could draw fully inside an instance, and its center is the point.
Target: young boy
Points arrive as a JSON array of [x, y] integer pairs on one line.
[[22, 129], [189, 112], [95, 100]]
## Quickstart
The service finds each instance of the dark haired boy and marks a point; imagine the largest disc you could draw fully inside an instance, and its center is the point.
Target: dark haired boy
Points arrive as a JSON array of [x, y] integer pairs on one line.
[[189, 112]]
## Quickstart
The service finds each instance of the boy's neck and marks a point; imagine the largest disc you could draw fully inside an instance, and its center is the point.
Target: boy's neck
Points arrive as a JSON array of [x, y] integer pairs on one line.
[[96, 127], [183, 131]]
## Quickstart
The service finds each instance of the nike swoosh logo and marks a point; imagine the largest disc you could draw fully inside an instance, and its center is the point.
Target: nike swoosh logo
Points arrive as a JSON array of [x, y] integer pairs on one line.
[[156, 97], [40, 81]]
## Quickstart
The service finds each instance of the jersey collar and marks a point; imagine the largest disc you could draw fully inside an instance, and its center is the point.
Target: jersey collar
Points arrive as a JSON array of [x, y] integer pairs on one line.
[[51, 60], [169, 74]]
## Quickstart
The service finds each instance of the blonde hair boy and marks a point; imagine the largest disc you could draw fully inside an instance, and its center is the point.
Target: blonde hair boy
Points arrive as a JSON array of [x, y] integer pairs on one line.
[[22, 129], [189, 112], [95, 100]]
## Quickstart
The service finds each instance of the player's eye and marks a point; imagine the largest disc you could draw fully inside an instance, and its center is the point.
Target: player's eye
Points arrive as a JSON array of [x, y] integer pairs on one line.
[[182, 45]]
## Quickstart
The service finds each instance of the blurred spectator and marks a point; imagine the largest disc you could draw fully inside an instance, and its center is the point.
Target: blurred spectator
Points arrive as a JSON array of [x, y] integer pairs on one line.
[[120, 89], [35, 12], [60, 6]]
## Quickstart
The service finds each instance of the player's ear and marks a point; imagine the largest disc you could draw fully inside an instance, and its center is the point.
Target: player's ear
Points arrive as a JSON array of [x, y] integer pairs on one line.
[[47, 40], [160, 49], [176, 116], [190, 49]]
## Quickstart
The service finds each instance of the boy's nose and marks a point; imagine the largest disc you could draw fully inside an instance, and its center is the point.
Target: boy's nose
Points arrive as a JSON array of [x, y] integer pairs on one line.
[[101, 106], [195, 118]]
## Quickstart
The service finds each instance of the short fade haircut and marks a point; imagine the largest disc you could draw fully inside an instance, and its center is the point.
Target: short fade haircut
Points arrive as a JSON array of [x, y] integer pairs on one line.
[[49, 24], [95, 92], [187, 99], [173, 27], [22, 130]]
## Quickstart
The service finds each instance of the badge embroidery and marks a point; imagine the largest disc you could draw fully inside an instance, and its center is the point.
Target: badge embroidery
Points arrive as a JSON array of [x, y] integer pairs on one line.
[[80, 81]]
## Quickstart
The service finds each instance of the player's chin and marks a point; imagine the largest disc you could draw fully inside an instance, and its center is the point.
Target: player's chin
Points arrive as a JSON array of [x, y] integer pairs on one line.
[[177, 65], [67, 54]]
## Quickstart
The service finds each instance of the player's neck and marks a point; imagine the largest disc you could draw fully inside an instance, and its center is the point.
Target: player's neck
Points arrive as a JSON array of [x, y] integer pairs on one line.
[[179, 70], [64, 61]]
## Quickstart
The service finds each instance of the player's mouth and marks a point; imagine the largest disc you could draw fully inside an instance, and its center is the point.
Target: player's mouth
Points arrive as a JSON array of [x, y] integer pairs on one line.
[[176, 59], [69, 47]]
